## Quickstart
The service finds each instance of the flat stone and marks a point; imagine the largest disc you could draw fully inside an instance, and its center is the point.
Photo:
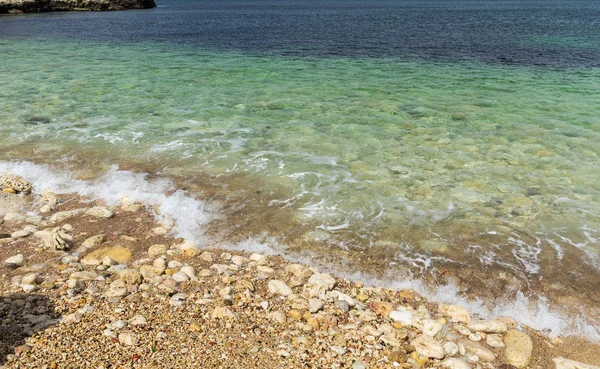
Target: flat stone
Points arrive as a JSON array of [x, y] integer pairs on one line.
[[279, 288], [429, 347], [562, 363], [315, 305], [119, 254], [157, 250], [16, 261], [519, 348], [100, 212], [488, 326], [62, 216], [456, 313], [454, 363], [478, 349]]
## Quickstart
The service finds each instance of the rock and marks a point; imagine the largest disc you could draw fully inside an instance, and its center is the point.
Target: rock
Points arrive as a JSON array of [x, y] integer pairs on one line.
[[92, 242], [178, 299], [298, 270], [128, 339], [62, 216], [337, 295], [562, 363], [83, 275], [315, 305], [129, 205], [22, 349], [402, 317], [130, 276], [454, 363], [180, 277], [276, 316], [100, 212], [207, 256], [222, 312], [488, 326], [138, 320], [258, 258], [117, 288], [190, 271], [239, 260], [29, 288], [31, 279], [15, 261], [359, 365], [382, 308], [429, 347], [494, 340], [342, 305], [279, 288], [157, 250], [450, 348], [433, 328], [16, 183], [518, 349], [478, 349], [21, 233], [455, 313], [119, 254]]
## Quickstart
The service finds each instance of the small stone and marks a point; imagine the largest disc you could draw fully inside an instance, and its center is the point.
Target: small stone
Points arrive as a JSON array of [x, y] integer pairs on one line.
[[454, 363], [315, 305], [342, 305], [402, 317], [429, 347], [178, 299], [22, 349], [450, 348], [494, 340], [239, 260], [279, 288], [222, 312], [382, 308], [475, 337], [478, 349], [277, 317], [298, 270], [130, 276], [433, 328], [15, 261], [455, 313], [62, 216], [180, 277], [295, 314], [138, 320], [21, 234], [128, 339], [100, 212], [93, 241], [207, 256], [157, 250], [29, 288], [15, 182], [562, 363], [519, 348], [31, 279], [488, 326], [398, 356]]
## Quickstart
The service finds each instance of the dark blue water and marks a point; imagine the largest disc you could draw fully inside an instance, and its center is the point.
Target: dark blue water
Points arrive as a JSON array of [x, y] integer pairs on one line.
[[545, 33]]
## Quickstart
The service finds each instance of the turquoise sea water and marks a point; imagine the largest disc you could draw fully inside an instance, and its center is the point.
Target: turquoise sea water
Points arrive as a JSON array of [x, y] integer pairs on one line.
[[406, 163]]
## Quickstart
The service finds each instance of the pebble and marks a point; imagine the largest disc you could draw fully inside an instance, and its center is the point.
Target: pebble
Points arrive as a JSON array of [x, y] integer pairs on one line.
[[138, 320], [454, 363], [157, 250], [429, 347], [100, 212], [279, 288], [488, 326], [16, 261], [478, 349], [518, 349], [177, 299], [31, 278], [562, 363], [180, 277], [494, 340], [402, 317], [315, 305], [450, 348], [21, 233], [128, 339], [455, 313]]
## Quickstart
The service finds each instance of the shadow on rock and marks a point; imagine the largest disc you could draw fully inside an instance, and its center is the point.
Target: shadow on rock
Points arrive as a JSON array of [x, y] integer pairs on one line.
[[23, 315]]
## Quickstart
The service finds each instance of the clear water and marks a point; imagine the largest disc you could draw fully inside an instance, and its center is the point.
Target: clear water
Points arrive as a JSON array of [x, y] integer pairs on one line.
[[470, 141]]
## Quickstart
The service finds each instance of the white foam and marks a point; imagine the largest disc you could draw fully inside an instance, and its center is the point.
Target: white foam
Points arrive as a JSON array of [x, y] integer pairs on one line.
[[187, 214]]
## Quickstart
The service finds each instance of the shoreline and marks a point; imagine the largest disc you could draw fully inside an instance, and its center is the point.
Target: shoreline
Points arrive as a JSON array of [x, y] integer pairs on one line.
[[43, 6], [218, 295]]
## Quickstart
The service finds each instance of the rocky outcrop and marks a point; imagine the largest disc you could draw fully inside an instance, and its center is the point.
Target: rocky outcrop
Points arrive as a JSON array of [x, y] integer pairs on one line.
[[38, 6]]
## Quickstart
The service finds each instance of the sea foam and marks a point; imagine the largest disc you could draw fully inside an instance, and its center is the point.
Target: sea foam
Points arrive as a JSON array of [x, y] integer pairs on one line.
[[188, 216]]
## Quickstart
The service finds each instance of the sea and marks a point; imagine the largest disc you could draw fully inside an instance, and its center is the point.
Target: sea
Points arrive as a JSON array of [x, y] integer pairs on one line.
[[448, 146]]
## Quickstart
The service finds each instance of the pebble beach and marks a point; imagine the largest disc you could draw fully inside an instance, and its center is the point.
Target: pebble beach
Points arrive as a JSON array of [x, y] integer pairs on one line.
[[86, 285]]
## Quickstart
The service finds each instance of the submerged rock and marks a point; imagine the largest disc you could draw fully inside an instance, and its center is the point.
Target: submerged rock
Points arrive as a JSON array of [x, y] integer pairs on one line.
[[13, 182]]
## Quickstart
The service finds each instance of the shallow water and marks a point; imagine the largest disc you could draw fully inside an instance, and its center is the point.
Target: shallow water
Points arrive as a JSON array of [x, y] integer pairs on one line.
[[452, 161]]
